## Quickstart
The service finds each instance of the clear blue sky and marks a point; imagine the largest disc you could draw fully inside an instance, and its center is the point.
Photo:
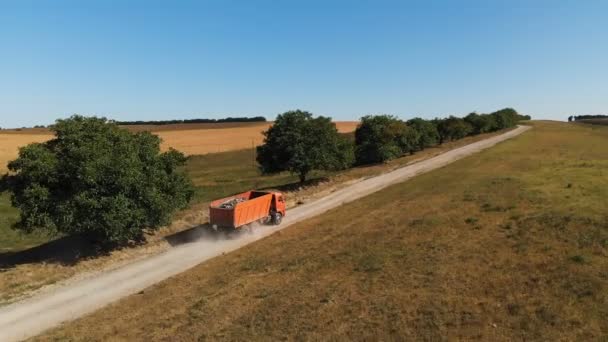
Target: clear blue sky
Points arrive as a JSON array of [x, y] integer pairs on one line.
[[174, 59]]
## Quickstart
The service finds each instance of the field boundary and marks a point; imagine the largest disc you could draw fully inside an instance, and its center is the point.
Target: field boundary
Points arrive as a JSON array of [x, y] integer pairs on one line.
[[30, 317]]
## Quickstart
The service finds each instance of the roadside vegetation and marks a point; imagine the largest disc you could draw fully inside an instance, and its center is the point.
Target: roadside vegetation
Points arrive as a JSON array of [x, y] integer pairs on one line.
[[299, 143], [512, 246], [380, 138]]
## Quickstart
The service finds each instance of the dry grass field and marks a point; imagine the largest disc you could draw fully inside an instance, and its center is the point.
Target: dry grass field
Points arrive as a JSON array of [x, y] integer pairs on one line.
[[191, 139], [509, 244]]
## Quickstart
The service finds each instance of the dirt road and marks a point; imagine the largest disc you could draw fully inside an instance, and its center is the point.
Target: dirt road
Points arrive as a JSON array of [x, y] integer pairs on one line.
[[32, 316]]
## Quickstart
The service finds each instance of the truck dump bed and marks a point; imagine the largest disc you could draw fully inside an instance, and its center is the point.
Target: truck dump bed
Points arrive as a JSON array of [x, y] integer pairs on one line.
[[241, 209]]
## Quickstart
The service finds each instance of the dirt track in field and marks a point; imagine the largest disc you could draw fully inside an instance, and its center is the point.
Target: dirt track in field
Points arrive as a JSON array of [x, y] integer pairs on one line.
[[30, 317]]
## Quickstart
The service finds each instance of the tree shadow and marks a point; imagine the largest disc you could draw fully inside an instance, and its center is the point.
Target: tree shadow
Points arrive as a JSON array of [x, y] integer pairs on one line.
[[297, 185], [70, 250], [67, 251]]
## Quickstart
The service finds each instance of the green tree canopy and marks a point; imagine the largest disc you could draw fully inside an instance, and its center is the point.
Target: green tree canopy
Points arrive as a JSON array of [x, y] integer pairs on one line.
[[379, 138], [505, 118], [299, 143], [452, 128], [428, 132], [481, 123], [97, 180]]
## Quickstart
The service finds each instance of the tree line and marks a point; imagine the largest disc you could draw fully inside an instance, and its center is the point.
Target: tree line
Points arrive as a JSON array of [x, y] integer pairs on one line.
[[300, 143], [586, 117], [193, 121], [112, 186]]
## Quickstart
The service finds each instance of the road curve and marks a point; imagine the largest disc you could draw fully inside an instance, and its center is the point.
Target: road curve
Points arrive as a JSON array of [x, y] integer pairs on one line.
[[32, 316]]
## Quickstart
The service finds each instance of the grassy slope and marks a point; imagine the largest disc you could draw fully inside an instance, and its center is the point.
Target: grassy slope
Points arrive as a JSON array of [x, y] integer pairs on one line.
[[511, 243]]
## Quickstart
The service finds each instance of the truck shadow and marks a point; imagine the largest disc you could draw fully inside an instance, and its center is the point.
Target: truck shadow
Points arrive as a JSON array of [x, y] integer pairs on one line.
[[203, 232], [297, 185]]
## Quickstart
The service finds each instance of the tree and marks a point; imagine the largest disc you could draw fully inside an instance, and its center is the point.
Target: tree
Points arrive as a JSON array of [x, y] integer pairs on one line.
[[428, 132], [505, 118], [299, 143], [97, 180], [380, 138], [408, 138], [452, 128], [481, 123]]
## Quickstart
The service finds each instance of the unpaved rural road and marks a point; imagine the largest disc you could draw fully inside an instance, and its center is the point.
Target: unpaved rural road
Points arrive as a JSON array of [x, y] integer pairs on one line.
[[32, 316]]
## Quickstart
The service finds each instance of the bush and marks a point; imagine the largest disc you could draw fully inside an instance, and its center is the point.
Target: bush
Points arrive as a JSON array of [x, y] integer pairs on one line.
[[97, 180], [299, 143]]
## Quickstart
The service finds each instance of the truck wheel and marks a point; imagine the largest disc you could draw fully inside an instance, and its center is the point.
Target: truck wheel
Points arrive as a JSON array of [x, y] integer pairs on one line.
[[277, 218]]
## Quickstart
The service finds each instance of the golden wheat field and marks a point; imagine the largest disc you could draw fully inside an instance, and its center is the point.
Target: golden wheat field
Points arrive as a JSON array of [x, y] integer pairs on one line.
[[189, 140], [10, 143]]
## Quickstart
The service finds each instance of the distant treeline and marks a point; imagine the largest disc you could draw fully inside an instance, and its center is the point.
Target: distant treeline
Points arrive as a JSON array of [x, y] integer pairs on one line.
[[586, 117], [193, 121]]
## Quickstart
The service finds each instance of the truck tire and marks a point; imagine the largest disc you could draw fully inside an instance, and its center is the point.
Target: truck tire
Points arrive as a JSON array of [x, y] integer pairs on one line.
[[265, 220], [277, 218]]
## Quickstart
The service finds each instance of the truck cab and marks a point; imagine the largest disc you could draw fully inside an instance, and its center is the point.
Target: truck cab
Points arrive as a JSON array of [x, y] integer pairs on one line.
[[278, 207]]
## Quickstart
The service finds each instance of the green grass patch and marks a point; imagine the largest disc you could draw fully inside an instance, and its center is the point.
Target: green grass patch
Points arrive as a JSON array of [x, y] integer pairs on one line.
[[222, 174], [10, 239]]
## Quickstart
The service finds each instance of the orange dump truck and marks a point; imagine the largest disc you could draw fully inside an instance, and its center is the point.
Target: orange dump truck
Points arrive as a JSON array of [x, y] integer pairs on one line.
[[242, 209]]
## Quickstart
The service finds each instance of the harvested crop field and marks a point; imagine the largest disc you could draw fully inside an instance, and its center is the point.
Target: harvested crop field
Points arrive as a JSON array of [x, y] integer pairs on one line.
[[10, 143], [190, 139]]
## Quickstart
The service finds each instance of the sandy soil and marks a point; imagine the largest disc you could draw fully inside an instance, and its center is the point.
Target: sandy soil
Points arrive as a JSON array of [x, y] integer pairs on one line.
[[32, 316]]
